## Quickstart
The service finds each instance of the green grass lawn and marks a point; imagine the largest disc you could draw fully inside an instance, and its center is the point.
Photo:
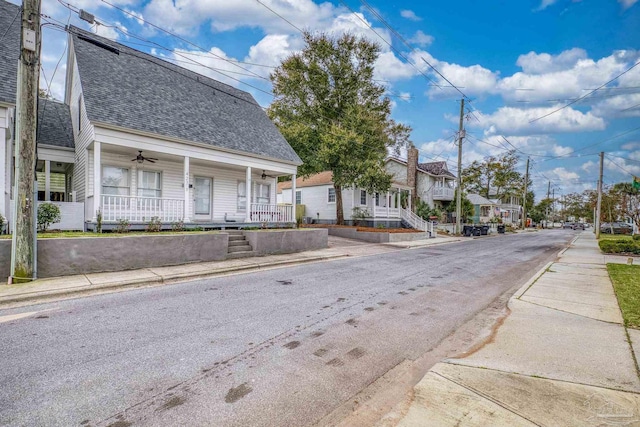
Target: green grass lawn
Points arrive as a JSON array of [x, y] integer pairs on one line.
[[615, 236], [626, 282]]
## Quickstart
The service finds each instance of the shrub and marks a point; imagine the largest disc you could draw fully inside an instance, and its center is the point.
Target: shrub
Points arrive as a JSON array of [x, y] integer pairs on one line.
[[99, 221], [177, 226], [620, 246], [635, 236], [48, 213], [358, 215], [1, 223], [123, 226], [155, 225]]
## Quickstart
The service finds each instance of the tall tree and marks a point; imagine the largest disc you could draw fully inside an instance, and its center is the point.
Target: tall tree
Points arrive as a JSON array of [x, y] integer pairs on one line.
[[628, 201], [334, 115], [495, 176]]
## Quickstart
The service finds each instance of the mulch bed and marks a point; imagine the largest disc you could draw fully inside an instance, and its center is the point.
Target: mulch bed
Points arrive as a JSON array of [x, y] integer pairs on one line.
[[367, 229]]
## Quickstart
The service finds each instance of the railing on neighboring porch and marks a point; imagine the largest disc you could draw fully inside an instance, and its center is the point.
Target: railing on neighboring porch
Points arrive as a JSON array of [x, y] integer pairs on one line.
[[383, 212], [261, 212], [141, 209], [416, 222], [443, 193]]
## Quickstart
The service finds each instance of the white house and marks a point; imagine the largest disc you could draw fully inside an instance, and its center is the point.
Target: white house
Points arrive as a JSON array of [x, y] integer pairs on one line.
[[431, 183], [510, 208], [154, 140]]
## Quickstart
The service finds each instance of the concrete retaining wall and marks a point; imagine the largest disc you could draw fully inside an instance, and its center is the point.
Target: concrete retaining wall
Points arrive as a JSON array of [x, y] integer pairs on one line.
[[286, 241], [82, 255], [376, 237]]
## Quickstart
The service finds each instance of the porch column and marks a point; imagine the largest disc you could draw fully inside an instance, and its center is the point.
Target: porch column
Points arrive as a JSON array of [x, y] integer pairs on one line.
[[47, 180], [388, 203], [409, 200], [398, 199], [187, 192], [97, 178], [293, 196], [248, 195]]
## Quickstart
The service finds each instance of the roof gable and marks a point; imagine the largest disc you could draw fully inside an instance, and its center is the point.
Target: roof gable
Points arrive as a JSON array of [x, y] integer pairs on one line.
[[436, 168], [322, 178], [54, 124], [134, 90], [9, 50]]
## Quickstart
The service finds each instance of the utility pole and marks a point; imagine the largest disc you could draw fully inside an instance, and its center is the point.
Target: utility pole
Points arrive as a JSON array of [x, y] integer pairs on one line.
[[459, 194], [524, 199], [546, 217], [599, 204], [23, 251], [553, 206]]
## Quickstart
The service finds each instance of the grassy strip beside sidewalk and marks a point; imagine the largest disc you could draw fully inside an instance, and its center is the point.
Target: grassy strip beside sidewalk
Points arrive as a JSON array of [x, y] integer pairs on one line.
[[626, 282]]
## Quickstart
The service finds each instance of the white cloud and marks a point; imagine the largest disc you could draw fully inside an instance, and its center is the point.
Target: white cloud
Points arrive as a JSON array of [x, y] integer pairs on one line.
[[108, 31], [626, 4], [421, 39], [545, 4], [534, 63], [635, 145], [410, 15], [589, 166], [516, 121]]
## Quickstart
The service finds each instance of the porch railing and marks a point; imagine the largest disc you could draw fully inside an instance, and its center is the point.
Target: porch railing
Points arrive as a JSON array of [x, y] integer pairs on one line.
[[141, 209], [443, 193], [382, 212], [416, 222], [261, 212]]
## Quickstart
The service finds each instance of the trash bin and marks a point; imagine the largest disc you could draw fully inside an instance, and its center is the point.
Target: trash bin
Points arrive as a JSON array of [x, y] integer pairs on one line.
[[484, 230], [477, 231], [501, 229], [467, 231]]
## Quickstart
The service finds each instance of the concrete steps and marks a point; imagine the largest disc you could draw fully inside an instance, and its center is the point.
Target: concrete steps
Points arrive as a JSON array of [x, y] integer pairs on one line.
[[238, 245]]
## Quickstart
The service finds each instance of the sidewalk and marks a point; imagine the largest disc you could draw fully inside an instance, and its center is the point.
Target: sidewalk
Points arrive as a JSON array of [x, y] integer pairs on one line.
[[55, 288], [561, 358]]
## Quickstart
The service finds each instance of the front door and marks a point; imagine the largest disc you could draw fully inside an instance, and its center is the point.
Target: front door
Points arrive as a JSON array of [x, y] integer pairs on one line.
[[202, 198]]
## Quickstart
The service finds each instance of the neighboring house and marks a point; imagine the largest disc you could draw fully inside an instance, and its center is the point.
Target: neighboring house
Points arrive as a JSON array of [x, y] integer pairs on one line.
[[433, 184], [154, 140], [9, 51], [484, 210], [510, 208]]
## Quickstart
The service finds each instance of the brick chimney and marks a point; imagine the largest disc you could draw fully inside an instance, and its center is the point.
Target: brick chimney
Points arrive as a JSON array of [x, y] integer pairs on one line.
[[412, 170]]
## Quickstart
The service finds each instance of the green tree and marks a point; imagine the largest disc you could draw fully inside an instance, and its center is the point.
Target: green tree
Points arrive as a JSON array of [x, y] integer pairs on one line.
[[334, 115], [48, 214], [468, 210], [494, 173], [628, 198]]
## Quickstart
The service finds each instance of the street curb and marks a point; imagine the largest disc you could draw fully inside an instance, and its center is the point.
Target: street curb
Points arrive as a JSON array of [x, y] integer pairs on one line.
[[168, 279], [524, 288]]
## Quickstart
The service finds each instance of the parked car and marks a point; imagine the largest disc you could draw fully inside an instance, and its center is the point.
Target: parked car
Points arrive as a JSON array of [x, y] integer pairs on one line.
[[616, 228], [568, 225], [578, 226]]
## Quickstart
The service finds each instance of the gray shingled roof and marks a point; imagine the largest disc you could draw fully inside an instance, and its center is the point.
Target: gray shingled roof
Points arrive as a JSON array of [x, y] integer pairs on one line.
[[477, 199], [9, 50], [54, 124], [436, 168], [134, 90]]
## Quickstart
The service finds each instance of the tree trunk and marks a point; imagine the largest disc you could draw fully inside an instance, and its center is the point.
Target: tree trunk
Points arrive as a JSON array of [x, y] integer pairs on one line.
[[339, 211]]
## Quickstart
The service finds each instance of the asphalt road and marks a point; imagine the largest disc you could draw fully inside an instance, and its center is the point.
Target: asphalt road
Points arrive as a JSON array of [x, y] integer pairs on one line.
[[273, 348]]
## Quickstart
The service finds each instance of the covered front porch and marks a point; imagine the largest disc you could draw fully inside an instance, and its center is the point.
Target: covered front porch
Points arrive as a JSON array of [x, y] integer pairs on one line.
[[146, 181]]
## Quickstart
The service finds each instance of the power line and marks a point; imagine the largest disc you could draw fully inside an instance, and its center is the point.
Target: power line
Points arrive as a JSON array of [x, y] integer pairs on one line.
[[584, 96]]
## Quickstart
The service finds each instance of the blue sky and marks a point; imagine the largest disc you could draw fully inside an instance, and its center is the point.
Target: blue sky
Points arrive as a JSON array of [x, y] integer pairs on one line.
[[515, 60]]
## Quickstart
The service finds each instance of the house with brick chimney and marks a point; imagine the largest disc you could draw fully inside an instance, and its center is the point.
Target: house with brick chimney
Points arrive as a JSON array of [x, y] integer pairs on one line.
[[431, 183]]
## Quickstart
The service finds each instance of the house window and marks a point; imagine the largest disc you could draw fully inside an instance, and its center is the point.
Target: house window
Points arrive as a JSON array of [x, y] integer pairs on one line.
[[484, 210], [377, 199], [298, 197], [331, 195], [149, 184], [263, 193], [363, 197], [115, 181], [242, 196]]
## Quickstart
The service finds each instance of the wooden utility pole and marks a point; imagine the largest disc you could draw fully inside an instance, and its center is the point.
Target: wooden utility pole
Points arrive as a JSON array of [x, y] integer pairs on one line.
[[599, 204], [546, 217], [23, 252], [524, 199], [459, 193]]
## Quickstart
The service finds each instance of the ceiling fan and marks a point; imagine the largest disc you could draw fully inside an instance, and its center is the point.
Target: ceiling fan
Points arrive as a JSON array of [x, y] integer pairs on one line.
[[140, 158], [264, 175]]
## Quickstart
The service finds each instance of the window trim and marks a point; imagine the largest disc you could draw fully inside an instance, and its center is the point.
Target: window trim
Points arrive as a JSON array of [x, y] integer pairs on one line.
[[138, 181], [102, 186], [257, 186], [244, 184], [365, 197], [298, 192], [79, 113], [329, 195]]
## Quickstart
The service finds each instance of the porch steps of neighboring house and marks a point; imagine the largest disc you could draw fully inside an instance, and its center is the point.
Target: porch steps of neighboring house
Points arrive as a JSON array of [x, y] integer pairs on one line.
[[238, 245]]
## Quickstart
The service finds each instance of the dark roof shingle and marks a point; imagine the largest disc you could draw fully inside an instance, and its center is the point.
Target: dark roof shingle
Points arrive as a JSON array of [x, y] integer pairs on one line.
[[9, 50], [135, 90], [54, 124], [436, 168]]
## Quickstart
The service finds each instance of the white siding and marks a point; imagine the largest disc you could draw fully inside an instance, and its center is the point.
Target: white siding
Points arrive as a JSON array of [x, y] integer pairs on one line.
[[5, 163], [316, 205], [398, 170], [83, 135], [425, 184]]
